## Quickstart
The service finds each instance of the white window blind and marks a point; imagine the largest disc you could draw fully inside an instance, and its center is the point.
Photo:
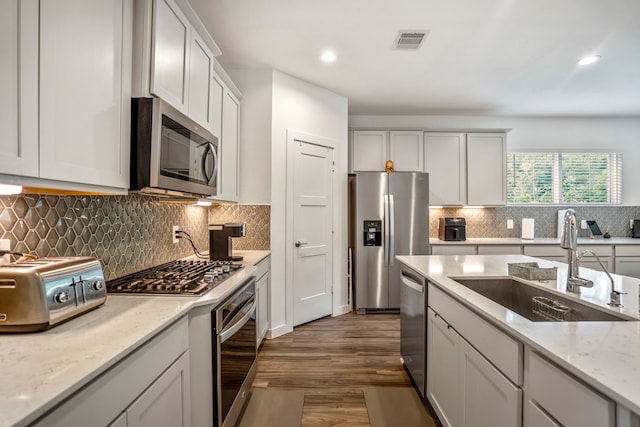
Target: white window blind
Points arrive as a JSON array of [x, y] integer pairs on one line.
[[564, 178]]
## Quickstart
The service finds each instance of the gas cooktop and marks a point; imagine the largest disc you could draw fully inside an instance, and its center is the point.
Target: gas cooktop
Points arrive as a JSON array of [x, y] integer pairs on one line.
[[181, 277]]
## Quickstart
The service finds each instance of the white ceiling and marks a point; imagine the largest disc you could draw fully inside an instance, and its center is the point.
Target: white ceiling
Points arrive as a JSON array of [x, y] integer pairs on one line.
[[489, 57]]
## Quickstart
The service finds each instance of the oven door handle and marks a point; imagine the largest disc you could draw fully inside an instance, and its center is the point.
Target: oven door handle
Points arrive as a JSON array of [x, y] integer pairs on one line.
[[237, 324]]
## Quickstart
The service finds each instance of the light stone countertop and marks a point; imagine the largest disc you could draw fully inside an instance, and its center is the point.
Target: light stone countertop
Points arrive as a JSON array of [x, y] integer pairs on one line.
[[606, 355], [39, 370], [536, 241]]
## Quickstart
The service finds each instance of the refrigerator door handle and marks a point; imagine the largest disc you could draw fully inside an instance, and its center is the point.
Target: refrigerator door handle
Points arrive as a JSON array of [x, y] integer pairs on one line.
[[385, 243], [392, 234]]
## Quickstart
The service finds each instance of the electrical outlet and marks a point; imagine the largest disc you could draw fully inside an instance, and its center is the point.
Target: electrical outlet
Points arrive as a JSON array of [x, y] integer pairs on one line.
[[510, 224], [174, 233], [583, 224], [5, 245], [631, 223]]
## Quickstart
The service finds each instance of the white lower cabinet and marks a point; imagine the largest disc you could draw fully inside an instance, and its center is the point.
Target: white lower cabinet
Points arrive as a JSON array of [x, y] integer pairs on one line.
[[536, 417], [453, 249], [263, 280], [548, 252], [627, 260], [164, 402], [563, 398], [443, 382], [499, 250], [463, 387], [148, 388]]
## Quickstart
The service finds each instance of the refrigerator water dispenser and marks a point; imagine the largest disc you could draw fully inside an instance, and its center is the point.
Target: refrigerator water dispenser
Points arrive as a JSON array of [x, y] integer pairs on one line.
[[372, 232]]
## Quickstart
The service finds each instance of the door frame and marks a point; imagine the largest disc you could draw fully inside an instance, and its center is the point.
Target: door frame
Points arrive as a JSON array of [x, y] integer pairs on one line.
[[294, 136]]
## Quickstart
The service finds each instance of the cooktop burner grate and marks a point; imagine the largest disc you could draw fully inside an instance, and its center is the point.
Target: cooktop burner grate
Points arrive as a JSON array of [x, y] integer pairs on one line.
[[181, 277]]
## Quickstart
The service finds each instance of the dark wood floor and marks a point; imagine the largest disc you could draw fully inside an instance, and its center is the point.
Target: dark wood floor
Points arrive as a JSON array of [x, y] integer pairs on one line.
[[333, 360]]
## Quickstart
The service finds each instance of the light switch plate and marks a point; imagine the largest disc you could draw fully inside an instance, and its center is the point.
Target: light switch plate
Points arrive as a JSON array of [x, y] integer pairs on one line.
[[583, 224], [510, 224], [631, 223]]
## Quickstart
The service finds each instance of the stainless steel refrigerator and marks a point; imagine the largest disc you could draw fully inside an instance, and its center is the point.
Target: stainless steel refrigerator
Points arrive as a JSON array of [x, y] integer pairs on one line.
[[388, 216]]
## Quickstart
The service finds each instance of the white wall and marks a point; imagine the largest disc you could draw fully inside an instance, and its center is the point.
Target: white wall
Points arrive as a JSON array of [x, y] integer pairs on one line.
[[272, 103], [307, 108], [620, 134], [255, 134]]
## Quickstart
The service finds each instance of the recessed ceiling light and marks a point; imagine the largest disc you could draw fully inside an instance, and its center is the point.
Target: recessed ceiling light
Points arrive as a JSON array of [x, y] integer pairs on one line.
[[589, 60], [328, 56]]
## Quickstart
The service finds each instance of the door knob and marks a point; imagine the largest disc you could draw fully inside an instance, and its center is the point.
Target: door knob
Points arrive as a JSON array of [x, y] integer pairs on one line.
[[299, 243]]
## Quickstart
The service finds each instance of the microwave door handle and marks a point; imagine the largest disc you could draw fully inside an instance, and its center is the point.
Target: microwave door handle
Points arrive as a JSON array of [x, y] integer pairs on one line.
[[209, 178]]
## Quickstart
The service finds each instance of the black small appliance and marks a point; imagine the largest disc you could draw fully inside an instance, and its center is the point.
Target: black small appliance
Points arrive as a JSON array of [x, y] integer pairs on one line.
[[220, 243], [636, 228], [452, 229]]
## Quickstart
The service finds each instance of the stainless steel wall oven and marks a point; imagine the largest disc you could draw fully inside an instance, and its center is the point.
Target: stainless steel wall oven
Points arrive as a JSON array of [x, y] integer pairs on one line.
[[234, 353]]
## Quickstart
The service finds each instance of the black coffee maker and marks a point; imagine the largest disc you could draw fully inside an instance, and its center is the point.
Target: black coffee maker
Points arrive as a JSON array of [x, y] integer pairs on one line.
[[220, 242]]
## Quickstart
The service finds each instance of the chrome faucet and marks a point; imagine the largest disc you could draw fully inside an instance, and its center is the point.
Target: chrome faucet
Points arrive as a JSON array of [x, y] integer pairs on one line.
[[569, 241], [614, 296]]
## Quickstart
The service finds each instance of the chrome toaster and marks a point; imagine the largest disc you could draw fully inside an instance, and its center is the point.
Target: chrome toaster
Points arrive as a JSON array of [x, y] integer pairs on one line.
[[40, 293]]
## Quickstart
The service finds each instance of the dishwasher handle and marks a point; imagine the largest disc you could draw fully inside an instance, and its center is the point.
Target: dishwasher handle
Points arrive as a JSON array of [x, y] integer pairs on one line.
[[411, 283]]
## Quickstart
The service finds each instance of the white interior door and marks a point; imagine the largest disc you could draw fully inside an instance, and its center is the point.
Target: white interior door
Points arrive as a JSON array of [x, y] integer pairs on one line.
[[312, 198]]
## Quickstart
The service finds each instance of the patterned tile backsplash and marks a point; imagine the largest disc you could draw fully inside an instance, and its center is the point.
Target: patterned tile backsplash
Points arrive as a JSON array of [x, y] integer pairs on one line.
[[127, 233], [492, 222], [257, 219]]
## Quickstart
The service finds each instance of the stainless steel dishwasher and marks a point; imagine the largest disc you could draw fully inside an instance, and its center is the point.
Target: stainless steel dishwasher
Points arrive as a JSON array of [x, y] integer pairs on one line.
[[413, 326]]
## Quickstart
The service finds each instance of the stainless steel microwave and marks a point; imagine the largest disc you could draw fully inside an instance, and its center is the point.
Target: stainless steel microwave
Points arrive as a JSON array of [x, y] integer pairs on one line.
[[170, 154]]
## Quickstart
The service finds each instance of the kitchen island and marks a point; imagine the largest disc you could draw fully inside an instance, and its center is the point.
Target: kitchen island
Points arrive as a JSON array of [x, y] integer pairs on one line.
[[39, 371], [604, 355]]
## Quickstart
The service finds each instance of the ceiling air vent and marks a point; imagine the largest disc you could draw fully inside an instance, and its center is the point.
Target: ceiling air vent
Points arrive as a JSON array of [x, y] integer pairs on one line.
[[410, 39]]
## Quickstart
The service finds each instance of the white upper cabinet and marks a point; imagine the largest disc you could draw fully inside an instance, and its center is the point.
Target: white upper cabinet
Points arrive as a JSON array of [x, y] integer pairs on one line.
[[466, 168], [19, 87], [445, 162], [200, 82], [66, 93], [216, 96], [174, 60], [85, 91], [486, 169], [171, 48], [405, 150], [229, 146], [370, 150]]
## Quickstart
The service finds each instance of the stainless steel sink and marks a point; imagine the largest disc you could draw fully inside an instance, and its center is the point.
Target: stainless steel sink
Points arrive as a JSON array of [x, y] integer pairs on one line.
[[533, 303]]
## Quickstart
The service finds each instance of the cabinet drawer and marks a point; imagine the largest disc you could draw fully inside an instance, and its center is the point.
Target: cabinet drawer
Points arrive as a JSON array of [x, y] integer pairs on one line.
[[453, 249], [545, 251], [565, 398], [499, 250], [600, 250], [501, 350], [628, 250]]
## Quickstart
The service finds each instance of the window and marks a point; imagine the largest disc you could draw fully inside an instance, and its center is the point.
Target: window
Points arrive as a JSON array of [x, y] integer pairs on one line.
[[564, 178]]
